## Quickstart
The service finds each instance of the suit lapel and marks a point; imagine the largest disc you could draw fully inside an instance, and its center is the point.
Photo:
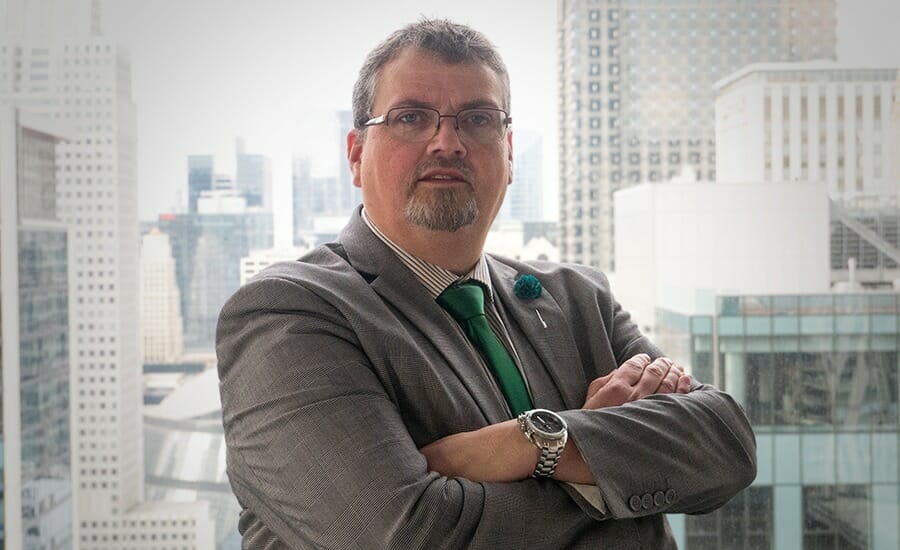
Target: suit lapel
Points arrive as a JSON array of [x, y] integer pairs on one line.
[[399, 287], [554, 343]]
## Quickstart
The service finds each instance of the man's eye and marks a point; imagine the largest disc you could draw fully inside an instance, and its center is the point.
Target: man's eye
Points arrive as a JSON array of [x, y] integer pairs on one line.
[[477, 119], [410, 117]]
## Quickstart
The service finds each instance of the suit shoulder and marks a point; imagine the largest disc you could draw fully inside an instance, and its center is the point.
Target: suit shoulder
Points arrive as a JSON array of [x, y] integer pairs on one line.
[[313, 265], [319, 273]]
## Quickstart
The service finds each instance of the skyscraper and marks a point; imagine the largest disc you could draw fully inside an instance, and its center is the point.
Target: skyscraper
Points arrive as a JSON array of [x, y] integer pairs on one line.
[[200, 178], [160, 300], [254, 176], [736, 279], [524, 197], [302, 195], [208, 247], [636, 94], [35, 451], [66, 71], [828, 123], [811, 121]]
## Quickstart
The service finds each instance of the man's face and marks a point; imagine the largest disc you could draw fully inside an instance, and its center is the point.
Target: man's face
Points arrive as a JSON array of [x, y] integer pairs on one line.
[[448, 182]]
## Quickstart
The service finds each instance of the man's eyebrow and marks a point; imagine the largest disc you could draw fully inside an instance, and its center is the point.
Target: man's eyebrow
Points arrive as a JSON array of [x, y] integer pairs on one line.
[[486, 103], [411, 103]]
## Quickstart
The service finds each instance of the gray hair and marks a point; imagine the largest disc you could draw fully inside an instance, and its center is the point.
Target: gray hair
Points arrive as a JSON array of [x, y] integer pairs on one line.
[[451, 42]]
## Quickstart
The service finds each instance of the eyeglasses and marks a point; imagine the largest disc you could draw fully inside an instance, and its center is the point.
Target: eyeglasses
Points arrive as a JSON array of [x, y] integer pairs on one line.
[[420, 124]]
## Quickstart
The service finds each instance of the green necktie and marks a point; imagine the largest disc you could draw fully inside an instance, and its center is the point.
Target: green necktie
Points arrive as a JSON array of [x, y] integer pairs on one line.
[[465, 302]]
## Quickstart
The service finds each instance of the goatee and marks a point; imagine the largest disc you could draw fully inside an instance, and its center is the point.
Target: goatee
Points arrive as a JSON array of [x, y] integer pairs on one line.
[[442, 209]]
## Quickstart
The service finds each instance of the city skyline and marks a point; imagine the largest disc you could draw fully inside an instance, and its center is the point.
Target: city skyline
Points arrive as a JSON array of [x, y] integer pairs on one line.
[[213, 92], [263, 91]]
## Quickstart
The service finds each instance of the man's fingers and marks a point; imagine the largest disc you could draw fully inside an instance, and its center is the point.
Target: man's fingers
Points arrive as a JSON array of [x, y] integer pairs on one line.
[[670, 382], [632, 370], [684, 384], [598, 383], [652, 377]]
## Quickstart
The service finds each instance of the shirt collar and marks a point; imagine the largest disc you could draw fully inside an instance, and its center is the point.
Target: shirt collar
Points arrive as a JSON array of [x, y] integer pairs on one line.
[[434, 278]]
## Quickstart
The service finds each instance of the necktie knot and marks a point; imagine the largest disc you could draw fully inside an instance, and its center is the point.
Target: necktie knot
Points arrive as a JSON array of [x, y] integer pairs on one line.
[[464, 301]]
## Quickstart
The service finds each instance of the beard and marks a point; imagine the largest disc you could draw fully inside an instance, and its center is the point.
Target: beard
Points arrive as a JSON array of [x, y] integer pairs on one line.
[[442, 209]]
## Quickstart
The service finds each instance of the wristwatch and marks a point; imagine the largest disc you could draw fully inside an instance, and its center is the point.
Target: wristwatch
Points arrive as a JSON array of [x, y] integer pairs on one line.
[[548, 431]]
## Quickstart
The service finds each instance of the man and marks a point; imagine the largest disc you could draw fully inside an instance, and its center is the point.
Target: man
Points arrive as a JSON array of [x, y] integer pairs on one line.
[[360, 413]]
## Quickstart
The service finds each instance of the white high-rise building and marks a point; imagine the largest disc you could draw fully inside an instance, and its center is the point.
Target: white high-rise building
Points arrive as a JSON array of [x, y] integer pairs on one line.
[[54, 61], [160, 300], [832, 125], [636, 94], [817, 122]]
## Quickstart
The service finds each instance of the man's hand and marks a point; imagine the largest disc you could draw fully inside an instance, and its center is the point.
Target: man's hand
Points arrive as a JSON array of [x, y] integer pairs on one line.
[[501, 453], [637, 378]]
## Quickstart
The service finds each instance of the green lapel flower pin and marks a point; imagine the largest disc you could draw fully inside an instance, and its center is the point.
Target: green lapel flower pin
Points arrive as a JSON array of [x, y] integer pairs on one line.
[[527, 287]]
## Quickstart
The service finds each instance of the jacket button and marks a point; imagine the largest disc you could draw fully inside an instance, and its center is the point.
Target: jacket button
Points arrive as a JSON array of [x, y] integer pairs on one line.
[[647, 501], [670, 496], [659, 498], [634, 503]]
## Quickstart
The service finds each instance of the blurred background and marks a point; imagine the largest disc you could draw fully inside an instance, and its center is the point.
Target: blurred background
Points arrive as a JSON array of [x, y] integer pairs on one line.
[[733, 165]]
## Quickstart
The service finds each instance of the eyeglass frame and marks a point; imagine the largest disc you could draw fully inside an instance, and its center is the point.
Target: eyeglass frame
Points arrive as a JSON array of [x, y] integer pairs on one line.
[[382, 119]]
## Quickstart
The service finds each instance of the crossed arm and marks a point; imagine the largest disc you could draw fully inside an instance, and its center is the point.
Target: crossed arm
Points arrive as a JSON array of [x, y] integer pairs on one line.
[[319, 454], [500, 452]]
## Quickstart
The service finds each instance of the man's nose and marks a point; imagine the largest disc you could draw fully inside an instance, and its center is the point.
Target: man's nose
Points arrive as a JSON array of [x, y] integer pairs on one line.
[[446, 140]]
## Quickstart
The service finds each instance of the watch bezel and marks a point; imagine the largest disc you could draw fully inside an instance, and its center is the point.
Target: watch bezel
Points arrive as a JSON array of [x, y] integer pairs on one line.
[[553, 436]]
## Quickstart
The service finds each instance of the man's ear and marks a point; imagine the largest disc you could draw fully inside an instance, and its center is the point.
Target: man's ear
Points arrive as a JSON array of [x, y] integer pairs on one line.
[[509, 146], [355, 140]]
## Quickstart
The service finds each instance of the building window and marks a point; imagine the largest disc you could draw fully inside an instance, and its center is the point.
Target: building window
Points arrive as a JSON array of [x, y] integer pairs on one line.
[[836, 516], [744, 523]]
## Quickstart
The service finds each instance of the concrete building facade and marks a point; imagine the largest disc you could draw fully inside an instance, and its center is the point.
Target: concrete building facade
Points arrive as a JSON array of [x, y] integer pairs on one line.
[[161, 319], [816, 122], [636, 95]]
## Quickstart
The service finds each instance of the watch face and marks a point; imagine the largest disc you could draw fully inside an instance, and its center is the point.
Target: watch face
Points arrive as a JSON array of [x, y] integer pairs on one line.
[[547, 423]]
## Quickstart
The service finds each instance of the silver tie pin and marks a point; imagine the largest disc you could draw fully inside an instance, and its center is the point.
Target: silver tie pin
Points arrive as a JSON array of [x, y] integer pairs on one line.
[[541, 319]]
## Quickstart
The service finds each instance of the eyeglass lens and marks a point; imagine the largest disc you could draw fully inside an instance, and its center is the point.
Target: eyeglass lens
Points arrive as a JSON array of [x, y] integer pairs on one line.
[[421, 124]]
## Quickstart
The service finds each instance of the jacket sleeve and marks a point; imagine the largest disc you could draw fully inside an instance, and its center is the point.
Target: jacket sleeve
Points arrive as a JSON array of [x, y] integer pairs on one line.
[[673, 453], [320, 456]]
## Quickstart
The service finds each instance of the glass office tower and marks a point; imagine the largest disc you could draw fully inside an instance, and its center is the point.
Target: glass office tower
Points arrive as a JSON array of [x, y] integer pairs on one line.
[[35, 452], [818, 378]]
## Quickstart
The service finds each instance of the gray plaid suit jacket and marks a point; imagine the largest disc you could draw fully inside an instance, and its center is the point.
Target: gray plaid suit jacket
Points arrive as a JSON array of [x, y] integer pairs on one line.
[[336, 368]]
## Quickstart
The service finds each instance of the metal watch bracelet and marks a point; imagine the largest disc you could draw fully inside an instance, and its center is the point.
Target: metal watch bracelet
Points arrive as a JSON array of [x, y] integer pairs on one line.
[[548, 461]]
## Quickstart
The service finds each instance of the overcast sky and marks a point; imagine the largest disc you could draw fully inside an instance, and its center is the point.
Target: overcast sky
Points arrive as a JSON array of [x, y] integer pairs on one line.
[[275, 71]]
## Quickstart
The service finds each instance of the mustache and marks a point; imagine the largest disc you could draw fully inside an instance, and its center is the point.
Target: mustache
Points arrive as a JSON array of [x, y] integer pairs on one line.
[[460, 165]]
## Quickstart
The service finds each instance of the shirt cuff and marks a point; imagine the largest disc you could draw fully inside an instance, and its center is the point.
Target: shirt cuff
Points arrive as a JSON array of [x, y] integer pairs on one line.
[[588, 498]]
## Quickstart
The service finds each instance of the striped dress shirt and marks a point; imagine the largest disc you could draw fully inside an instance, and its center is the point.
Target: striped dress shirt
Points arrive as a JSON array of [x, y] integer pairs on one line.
[[436, 279]]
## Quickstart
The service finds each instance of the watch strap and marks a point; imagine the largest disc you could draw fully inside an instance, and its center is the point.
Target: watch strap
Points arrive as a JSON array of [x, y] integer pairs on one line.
[[548, 461]]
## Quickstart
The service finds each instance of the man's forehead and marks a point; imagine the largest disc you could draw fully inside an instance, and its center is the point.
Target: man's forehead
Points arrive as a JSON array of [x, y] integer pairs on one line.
[[417, 77]]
